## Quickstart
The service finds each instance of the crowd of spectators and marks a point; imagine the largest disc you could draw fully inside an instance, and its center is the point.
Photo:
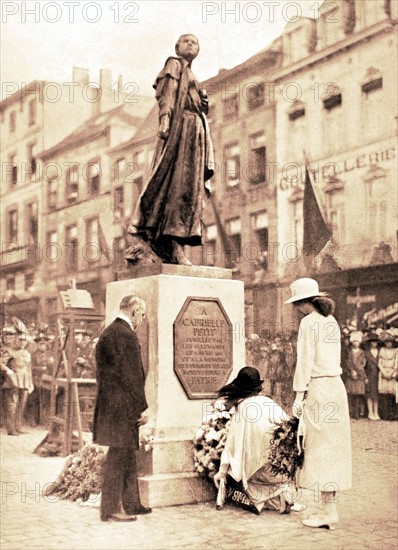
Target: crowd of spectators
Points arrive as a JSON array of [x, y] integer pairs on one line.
[[369, 360], [27, 353]]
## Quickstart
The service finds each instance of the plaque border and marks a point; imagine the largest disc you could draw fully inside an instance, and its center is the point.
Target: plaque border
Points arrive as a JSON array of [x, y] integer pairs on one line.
[[195, 395]]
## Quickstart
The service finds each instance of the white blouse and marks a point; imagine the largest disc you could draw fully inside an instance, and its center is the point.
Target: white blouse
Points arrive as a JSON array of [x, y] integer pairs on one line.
[[318, 350]]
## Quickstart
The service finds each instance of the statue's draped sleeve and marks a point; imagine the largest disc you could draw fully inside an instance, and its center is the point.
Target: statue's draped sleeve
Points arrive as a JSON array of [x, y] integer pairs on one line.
[[166, 86]]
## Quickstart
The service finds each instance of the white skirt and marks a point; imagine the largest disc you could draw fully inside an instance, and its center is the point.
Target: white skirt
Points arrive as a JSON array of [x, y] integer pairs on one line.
[[327, 445]]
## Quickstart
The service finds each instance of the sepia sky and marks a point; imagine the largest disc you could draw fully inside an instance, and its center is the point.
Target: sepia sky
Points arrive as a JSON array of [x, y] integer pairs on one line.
[[44, 40]]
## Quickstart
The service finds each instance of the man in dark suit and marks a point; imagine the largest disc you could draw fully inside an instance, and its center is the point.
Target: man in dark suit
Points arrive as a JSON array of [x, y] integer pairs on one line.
[[120, 410]]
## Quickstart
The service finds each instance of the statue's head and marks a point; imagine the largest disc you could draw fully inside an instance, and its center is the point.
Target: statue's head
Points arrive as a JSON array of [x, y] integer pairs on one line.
[[187, 47]]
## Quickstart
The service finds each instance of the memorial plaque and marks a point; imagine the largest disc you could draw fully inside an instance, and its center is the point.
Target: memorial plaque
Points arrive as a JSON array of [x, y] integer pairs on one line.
[[202, 347]]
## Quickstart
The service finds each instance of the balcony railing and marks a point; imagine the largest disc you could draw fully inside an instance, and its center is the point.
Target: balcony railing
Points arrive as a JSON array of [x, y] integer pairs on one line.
[[16, 256]]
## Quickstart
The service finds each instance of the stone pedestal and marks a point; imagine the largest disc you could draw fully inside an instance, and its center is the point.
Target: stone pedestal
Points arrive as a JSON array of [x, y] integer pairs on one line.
[[167, 470]]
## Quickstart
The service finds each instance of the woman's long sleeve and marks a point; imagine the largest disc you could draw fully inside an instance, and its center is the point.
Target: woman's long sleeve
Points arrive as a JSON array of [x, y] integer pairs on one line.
[[305, 357]]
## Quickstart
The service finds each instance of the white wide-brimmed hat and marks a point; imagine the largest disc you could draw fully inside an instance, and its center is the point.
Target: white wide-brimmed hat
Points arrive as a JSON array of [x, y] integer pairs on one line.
[[304, 288]]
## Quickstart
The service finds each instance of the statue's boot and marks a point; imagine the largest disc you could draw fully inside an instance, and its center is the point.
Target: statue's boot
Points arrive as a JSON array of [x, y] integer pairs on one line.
[[178, 255]]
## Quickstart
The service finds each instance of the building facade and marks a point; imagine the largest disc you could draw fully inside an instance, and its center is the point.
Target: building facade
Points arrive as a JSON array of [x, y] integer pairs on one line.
[[340, 119], [323, 94], [52, 202], [33, 118]]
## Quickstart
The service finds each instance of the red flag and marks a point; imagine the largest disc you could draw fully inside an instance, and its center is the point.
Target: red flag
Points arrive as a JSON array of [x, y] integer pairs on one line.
[[316, 231]]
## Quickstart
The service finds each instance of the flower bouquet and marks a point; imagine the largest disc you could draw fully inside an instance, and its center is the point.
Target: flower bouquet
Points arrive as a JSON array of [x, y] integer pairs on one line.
[[82, 474], [209, 440], [285, 456]]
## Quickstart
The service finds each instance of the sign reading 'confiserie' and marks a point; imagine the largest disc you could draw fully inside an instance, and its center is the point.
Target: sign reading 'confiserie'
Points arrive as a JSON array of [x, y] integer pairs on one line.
[[202, 347]]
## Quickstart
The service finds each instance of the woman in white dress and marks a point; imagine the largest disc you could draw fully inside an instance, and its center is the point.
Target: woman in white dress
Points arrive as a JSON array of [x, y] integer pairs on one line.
[[321, 401]]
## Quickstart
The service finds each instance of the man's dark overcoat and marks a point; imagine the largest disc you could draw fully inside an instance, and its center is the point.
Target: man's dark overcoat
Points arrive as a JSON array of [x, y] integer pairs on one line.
[[121, 392]]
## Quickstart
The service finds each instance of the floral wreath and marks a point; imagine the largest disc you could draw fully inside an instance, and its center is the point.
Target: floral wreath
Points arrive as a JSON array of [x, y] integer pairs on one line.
[[285, 456]]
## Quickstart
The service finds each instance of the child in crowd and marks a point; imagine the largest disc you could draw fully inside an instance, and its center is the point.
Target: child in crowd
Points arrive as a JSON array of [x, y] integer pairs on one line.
[[356, 380], [372, 373], [388, 370]]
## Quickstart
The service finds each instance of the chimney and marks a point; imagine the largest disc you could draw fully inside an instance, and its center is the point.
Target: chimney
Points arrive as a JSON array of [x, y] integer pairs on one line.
[[108, 95], [80, 75]]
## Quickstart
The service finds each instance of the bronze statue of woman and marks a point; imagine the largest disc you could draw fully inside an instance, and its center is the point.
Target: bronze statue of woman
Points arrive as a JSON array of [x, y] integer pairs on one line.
[[169, 212]]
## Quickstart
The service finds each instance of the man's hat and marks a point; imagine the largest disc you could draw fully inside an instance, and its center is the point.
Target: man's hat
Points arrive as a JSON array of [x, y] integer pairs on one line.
[[304, 288]]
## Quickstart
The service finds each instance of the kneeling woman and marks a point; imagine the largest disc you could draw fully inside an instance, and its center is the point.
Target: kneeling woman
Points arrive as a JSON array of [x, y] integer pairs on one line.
[[245, 455]]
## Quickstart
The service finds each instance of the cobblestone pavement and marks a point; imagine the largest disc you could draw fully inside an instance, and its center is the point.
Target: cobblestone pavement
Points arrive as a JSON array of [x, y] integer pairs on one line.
[[368, 513]]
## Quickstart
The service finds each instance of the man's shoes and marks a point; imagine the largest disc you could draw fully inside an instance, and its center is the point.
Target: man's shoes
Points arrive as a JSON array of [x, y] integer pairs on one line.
[[119, 517], [22, 432], [142, 510], [12, 433]]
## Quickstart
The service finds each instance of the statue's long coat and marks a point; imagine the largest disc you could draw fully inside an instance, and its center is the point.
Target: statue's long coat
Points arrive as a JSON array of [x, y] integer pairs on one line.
[[172, 202]]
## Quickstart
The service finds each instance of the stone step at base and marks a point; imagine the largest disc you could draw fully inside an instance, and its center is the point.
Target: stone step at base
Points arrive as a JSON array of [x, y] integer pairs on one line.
[[173, 489]]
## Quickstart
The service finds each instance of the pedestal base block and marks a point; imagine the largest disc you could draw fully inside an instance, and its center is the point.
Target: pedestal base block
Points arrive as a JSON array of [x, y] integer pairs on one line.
[[172, 489]]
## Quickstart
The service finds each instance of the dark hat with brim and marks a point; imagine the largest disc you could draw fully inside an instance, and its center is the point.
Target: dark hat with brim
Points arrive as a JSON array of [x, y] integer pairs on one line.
[[372, 337], [248, 378]]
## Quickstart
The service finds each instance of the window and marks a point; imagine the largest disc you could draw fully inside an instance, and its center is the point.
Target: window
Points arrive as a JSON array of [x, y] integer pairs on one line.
[[12, 225], [12, 172], [13, 122], [72, 248], [231, 165], [118, 171], [118, 204], [334, 125], [138, 185], [209, 246], [335, 214], [255, 96], [330, 31], [257, 158], [297, 131], [260, 229], [298, 229], [32, 223], [372, 107], [29, 279], [233, 228], [119, 246], [231, 107], [376, 198], [94, 177], [139, 161], [52, 252], [10, 283], [32, 112], [32, 165], [52, 189], [92, 248], [72, 183]]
